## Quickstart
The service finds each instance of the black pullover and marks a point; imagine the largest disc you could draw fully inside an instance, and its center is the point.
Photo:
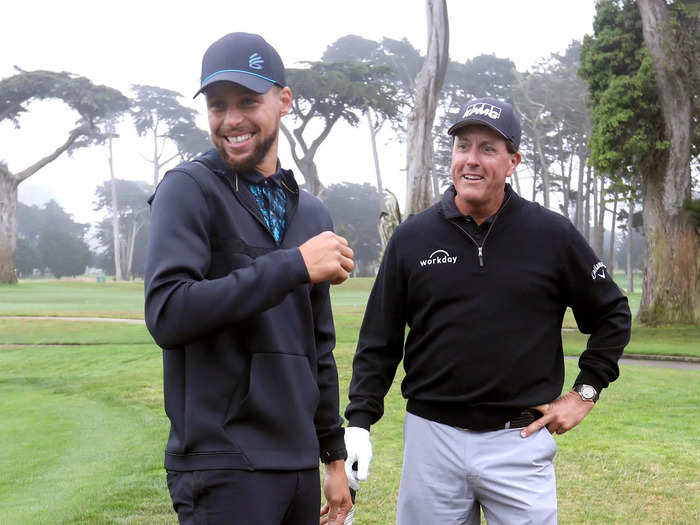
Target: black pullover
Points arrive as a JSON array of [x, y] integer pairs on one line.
[[249, 376], [485, 317]]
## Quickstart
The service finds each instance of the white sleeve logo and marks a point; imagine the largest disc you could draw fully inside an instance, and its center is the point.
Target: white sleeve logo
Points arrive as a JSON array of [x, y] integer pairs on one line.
[[598, 271]]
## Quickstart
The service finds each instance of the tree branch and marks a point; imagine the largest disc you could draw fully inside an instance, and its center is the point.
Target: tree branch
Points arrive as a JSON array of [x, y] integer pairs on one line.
[[31, 170], [292, 142], [317, 142]]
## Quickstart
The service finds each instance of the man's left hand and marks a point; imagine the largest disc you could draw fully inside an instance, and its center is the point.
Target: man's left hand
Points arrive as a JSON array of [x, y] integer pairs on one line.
[[561, 415], [335, 488]]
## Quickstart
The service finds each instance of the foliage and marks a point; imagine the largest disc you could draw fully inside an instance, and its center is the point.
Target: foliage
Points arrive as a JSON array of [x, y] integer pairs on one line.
[[63, 254], [355, 211], [158, 113], [133, 222], [95, 104], [49, 238], [330, 92], [627, 124]]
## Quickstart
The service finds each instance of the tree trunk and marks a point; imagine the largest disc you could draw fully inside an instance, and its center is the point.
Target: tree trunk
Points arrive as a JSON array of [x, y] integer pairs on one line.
[[611, 245], [579, 193], [599, 235], [8, 226], [419, 140], [306, 163], [375, 155], [671, 288], [115, 215], [587, 214], [630, 231]]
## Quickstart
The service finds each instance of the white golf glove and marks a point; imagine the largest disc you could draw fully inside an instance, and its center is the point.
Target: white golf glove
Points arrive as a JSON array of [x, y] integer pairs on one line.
[[359, 449]]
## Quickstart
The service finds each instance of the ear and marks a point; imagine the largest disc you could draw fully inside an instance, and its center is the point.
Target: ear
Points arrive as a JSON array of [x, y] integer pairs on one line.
[[285, 100], [515, 159]]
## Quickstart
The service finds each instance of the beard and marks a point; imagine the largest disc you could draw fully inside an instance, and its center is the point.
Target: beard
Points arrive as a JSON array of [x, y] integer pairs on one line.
[[254, 159]]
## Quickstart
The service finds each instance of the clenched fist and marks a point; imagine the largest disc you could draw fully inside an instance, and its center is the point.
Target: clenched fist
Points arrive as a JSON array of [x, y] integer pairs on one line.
[[328, 257]]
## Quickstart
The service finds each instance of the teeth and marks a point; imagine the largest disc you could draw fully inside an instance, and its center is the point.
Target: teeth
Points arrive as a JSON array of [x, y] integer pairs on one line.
[[469, 177], [239, 138]]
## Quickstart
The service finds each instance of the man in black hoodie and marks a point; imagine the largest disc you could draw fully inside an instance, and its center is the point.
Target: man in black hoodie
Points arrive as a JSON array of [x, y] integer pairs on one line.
[[483, 279], [237, 294]]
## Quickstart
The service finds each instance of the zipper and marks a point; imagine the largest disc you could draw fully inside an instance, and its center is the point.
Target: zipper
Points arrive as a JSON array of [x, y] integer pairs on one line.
[[480, 247]]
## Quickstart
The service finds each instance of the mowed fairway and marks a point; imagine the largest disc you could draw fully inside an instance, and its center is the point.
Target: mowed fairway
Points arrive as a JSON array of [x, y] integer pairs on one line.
[[84, 429]]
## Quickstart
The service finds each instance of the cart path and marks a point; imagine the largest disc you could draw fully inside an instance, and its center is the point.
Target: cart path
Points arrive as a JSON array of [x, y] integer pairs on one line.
[[678, 362]]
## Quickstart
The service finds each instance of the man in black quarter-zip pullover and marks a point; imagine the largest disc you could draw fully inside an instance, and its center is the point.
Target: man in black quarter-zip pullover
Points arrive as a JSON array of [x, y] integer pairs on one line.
[[482, 279], [237, 294]]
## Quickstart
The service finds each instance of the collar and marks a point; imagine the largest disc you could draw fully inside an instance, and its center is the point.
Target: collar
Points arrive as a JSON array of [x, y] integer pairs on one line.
[[281, 177], [450, 211]]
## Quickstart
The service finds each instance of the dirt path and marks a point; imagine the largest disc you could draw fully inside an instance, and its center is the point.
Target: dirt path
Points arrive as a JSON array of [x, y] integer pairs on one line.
[[682, 363]]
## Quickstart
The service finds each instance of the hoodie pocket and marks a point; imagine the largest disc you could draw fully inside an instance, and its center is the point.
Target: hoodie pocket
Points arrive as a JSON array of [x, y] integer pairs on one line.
[[277, 413]]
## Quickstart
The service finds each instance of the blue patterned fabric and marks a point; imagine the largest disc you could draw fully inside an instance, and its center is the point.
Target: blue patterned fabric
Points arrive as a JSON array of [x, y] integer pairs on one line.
[[272, 201]]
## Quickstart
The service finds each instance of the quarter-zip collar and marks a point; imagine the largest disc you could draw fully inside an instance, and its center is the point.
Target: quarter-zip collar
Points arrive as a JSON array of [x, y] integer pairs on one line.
[[449, 210]]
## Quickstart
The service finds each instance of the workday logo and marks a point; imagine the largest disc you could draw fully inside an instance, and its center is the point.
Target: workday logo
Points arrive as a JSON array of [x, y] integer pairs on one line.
[[483, 109], [255, 61], [598, 271], [438, 257]]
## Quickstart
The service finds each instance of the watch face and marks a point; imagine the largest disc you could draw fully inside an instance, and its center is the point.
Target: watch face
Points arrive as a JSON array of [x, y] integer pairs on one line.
[[587, 391]]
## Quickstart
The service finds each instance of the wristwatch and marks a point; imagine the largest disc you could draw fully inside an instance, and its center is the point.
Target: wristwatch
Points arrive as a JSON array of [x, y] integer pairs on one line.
[[587, 392]]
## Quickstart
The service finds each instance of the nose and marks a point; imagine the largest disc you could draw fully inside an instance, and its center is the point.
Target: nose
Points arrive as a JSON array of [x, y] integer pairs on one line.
[[471, 157], [233, 117]]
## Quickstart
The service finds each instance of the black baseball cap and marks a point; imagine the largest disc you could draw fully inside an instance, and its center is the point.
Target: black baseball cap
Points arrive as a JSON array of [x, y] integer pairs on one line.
[[243, 58], [496, 114]]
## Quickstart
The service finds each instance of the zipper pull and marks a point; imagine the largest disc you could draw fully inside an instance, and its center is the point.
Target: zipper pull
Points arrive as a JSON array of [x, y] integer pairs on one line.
[[481, 257]]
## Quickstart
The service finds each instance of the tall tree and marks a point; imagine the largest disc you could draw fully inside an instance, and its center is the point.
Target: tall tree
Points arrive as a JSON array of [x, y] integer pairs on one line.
[[671, 289], [353, 48], [94, 104], [48, 237], [328, 93], [354, 211], [133, 217], [158, 114], [420, 191], [630, 136]]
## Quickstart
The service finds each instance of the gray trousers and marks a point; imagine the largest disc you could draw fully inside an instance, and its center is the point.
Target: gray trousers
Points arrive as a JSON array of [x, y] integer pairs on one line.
[[450, 474]]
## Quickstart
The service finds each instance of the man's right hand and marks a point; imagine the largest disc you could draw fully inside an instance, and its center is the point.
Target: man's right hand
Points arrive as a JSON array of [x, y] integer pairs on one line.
[[328, 257], [359, 448]]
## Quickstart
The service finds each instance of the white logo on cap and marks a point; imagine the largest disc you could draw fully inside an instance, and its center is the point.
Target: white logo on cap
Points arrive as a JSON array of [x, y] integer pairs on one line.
[[255, 61], [481, 108]]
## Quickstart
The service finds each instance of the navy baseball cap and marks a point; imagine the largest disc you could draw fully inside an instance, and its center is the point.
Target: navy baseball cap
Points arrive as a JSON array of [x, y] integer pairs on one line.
[[245, 59], [496, 114]]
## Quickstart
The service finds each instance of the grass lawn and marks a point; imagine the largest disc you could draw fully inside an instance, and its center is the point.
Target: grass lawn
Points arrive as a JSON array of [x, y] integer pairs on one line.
[[84, 428]]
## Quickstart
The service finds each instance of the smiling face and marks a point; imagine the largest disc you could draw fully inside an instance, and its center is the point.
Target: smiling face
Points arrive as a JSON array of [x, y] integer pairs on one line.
[[245, 125], [481, 164]]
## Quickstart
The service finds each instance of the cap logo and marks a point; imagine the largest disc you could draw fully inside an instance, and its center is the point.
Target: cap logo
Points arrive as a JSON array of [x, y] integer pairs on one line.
[[483, 109], [255, 61]]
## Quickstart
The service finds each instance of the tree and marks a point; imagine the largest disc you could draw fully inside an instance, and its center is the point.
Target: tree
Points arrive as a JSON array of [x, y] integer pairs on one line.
[[353, 48], [158, 113], [94, 104], [133, 216], [354, 211], [330, 92], [419, 142], [64, 254], [671, 290], [48, 237], [630, 136]]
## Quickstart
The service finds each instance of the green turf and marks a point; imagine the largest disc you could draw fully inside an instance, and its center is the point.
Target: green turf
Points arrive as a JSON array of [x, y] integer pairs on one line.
[[84, 429]]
